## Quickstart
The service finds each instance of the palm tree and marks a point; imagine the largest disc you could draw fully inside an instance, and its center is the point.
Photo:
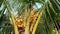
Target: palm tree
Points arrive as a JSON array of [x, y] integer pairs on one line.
[[34, 16]]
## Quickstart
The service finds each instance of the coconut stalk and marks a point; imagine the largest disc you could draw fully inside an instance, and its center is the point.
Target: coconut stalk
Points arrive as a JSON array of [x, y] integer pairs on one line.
[[25, 16], [35, 27], [13, 20], [39, 19], [29, 20], [25, 21], [35, 17]]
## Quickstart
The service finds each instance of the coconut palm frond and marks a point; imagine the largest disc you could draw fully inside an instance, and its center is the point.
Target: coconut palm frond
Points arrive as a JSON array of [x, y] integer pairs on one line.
[[30, 16]]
